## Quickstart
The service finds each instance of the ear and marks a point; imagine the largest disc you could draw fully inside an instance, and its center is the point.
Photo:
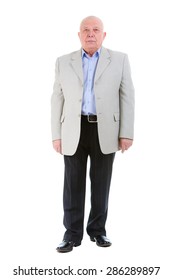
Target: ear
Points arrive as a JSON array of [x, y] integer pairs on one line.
[[79, 35], [104, 35]]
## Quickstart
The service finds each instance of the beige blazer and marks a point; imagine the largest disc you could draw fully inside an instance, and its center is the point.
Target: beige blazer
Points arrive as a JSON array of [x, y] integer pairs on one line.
[[114, 97]]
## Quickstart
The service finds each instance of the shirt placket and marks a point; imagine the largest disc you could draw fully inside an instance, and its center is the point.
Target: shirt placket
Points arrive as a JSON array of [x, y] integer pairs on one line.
[[90, 73]]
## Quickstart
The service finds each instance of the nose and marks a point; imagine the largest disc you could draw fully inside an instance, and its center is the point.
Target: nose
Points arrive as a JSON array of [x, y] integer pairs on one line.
[[90, 33]]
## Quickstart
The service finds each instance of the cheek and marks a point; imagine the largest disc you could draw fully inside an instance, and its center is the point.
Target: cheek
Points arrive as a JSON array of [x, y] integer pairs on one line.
[[101, 39], [83, 38]]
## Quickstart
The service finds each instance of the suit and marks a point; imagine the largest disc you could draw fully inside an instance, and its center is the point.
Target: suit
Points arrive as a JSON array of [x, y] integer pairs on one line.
[[114, 100], [114, 97]]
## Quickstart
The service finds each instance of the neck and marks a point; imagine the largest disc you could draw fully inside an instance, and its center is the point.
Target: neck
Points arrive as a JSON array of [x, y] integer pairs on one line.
[[90, 52]]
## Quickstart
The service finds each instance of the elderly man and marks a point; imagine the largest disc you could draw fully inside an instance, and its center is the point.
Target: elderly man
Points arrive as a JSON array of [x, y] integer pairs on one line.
[[92, 115]]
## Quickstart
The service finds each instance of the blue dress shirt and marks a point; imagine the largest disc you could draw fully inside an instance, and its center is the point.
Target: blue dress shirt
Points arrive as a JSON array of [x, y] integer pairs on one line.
[[89, 64]]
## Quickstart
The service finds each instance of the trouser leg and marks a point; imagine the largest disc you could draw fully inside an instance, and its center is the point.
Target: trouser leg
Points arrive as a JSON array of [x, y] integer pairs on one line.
[[74, 194], [100, 175]]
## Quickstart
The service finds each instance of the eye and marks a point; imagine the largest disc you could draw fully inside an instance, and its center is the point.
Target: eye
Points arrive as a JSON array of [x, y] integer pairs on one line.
[[96, 30]]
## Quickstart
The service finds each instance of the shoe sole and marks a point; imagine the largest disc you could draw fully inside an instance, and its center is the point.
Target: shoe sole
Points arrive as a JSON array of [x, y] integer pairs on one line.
[[64, 251]]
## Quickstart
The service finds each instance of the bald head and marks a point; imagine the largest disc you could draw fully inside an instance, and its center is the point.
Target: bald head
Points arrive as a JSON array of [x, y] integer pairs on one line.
[[92, 18], [91, 34]]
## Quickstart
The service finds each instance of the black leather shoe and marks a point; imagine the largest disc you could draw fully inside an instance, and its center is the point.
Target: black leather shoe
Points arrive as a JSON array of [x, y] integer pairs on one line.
[[67, 246], [101, 241]]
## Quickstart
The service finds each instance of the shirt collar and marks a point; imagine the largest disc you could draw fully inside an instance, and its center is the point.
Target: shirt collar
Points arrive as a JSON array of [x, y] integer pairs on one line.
[[97, 53]]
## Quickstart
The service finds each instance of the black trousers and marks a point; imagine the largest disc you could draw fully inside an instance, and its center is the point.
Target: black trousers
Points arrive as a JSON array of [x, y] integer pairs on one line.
[[75, 184]]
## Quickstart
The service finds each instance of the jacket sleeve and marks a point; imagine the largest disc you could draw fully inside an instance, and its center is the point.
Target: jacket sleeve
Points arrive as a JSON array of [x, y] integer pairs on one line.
[[57, 102], [127, 102]]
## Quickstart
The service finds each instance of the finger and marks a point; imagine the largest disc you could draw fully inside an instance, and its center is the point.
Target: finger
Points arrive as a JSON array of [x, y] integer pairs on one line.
[[123, 149], [59, 150]]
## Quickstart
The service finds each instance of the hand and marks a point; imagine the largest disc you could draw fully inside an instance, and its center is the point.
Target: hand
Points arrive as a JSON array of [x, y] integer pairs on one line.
[[57, 145], [124, 144]]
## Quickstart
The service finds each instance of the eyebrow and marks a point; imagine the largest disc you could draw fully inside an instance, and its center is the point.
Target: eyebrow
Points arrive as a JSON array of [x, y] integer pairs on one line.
[[93, 27]]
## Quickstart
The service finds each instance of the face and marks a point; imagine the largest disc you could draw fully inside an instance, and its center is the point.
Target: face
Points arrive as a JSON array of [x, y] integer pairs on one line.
[[91, 35]]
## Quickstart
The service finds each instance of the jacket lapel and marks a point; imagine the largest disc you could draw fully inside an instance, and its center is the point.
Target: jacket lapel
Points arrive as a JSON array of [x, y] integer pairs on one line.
[[103, 63], [76, 63]]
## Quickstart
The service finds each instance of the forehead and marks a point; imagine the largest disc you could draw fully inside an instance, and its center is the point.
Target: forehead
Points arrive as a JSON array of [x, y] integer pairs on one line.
[[91, 23]]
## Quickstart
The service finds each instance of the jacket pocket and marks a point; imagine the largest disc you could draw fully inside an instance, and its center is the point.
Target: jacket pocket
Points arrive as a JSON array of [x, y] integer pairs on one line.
[[116, 117]]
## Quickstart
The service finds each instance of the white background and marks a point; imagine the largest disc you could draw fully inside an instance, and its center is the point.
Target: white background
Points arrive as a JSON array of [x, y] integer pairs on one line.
[[33, 34]]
